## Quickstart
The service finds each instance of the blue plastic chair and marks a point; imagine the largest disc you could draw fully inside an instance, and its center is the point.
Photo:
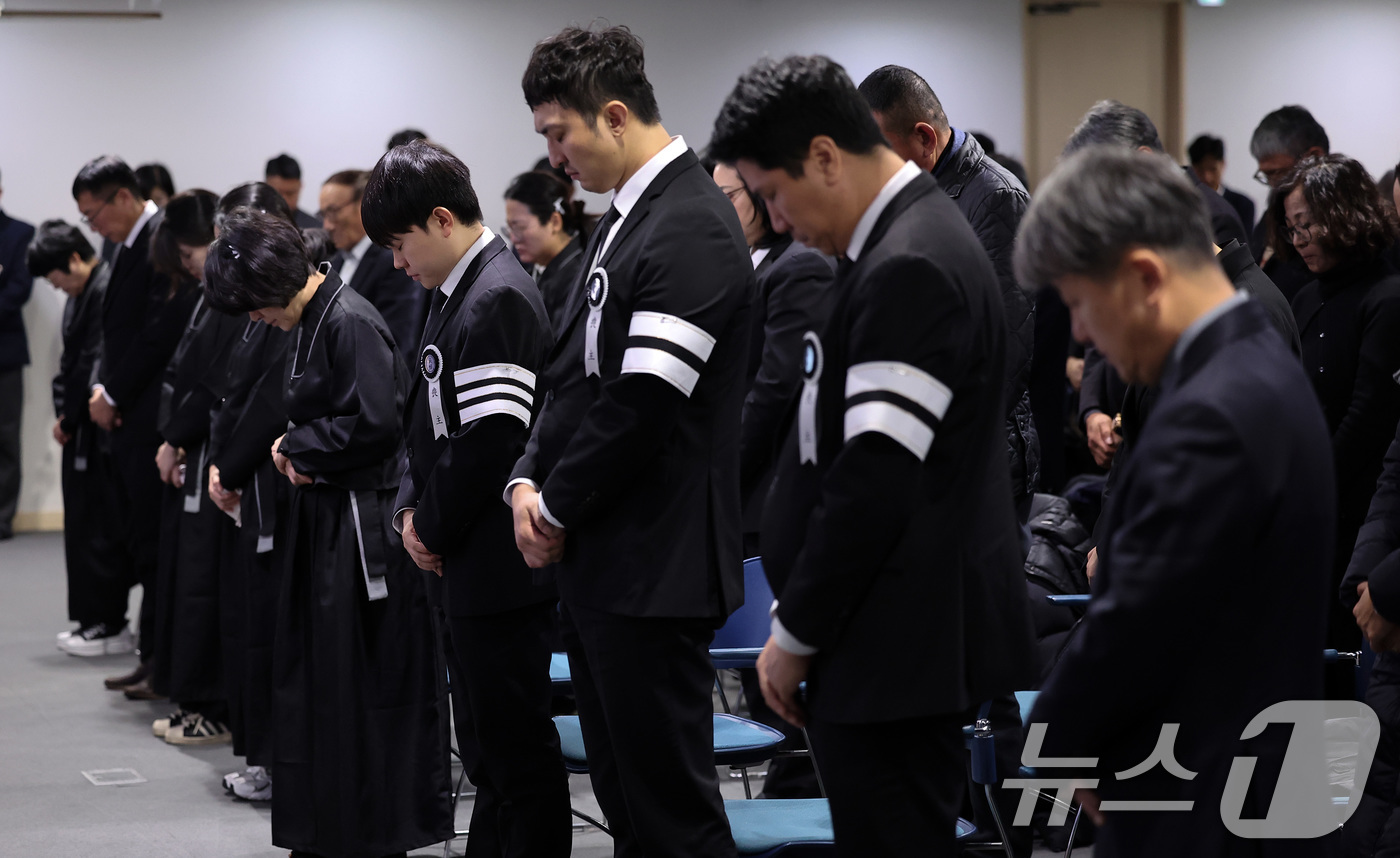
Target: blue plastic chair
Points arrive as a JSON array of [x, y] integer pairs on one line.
[[739, 641], [559, 676]]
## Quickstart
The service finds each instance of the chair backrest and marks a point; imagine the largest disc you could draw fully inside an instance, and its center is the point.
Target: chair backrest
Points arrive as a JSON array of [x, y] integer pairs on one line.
[[748, 626]]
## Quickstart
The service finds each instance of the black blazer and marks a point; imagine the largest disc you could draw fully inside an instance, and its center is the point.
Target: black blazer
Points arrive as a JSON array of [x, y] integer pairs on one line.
[[1243, 206], [901, 536], [399, 299], [641, 462], [1224, 522], [486, 347], [559, 280], [794, 296], [1224, 221], [16, 284], [82, 341]]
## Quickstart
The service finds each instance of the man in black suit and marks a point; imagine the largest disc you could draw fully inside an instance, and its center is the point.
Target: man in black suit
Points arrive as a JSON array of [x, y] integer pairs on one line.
[[15, 286], [1222, 521], [890, 527], [365, 266], [137, 343], [485, 343], [630, 482], [1207, 157], [283, 173]]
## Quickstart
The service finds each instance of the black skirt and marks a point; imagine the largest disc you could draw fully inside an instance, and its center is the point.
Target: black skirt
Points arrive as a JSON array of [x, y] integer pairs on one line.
[[359, 690]]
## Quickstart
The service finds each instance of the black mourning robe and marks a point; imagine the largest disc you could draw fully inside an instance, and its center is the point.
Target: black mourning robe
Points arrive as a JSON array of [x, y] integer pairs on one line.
[[359, 687]]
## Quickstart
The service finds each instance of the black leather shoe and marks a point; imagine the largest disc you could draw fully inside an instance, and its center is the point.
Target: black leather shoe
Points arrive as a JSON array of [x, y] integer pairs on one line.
[[118, 683], [142, 691]]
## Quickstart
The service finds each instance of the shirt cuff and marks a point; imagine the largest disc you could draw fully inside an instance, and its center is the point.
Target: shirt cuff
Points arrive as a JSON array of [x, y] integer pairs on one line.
[[544, 511], [398, 519], [786, 642], [105, 395], [519, 481]]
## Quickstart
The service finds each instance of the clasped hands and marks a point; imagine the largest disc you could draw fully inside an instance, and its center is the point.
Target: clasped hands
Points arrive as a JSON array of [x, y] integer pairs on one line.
[[284, 465], [1383, 635], [540, 542]]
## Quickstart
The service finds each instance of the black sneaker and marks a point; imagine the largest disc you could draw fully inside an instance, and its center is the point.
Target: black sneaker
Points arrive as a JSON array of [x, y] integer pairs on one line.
[[198, 730]]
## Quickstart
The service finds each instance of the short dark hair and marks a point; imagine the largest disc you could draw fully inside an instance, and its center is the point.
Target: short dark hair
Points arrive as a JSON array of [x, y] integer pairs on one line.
[[254, 195], [257, 261], [284, 166], [1102, 201], [1204, 147], [1345, 206], [985, 140], [777, 108], [408, 183], [582, 70], [408, 135], [544, 195], [355, 180], [152, 176], [53, 247], [1116, 124], [904, 98], [105, 174], [188, 221], [1290, 130]]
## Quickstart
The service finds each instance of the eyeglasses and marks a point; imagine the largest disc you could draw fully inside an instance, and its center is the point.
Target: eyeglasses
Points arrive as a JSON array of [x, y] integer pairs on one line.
[[87, 218], [733, 193], [334, 211], [1304, 232], [1268, 177]]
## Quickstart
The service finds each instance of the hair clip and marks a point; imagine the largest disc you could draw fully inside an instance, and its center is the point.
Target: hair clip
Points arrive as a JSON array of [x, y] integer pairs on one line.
[[559, 205], [234, 251]]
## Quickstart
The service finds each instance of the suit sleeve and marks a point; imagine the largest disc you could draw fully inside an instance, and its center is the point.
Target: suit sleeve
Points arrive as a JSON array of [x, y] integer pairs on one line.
[[494, 394], [797, 302], [1093, 388], [143, 363], [909, 349], [1226, 225], [689, 288], [1143, 591], [16, 283], [1365, 429], [1379, 538], [363, 427]]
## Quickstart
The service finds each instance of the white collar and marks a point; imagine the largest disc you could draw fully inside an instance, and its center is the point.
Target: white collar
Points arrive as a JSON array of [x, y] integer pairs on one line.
[[626, 198], [758, 254], [897, 183], [146, 214], [357, 252], [454, 277]]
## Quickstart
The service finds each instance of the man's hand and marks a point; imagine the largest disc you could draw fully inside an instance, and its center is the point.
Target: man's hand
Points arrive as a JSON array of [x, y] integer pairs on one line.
[[223, 498], [779, 674], [102, 413], [426, 560], [1383, 635], [1074, 372], [1091, 564], [1102, 442], [168, 463], [59, 435], [284, 465], [540, 542]]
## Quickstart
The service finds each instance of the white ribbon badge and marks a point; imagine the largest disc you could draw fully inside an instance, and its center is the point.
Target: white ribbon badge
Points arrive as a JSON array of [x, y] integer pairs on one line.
[[597, 296], [431, 365], [812, 362]]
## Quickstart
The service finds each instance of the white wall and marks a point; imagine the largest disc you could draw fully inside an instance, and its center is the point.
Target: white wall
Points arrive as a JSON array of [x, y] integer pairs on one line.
[[217, 87], [1338, 58]]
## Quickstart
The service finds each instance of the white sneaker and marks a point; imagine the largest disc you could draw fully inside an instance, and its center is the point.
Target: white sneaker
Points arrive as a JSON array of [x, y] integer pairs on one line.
[[176, 719], [198, 730], [63, 636], [97, 640], [254, 785]]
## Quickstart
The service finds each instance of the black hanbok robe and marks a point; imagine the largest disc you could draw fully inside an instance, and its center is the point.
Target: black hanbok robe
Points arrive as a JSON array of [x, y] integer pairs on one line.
[[188, 666], [361, 725], [251, 417]]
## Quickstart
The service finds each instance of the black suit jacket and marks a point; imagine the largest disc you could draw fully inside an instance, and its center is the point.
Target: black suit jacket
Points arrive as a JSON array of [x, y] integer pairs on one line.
[[1243, 206], [16, 283], [560, 279], [641, 462], [486, 347], [140, 328], [397, 297], [901, 536], [794, 296], [82, 341], [1220, 542], [1224, 220]]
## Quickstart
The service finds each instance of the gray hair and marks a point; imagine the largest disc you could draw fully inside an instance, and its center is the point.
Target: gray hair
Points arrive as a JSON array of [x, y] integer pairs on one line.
[[1290, 130], [1115, 124], [1103, 201]]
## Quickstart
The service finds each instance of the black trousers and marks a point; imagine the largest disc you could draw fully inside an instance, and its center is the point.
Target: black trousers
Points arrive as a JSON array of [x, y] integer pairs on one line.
[[788, 777], [99, 571], [134, 446], [643, 690], [11, 406], [895, 787], [499, 669]]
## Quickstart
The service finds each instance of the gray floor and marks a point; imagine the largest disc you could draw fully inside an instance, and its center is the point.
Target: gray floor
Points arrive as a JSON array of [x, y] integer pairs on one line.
[[57, 721]]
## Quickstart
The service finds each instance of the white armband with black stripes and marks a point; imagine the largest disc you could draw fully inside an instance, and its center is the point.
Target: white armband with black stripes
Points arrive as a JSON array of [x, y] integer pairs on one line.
[[668, 347], [897, 400], [494, 388]]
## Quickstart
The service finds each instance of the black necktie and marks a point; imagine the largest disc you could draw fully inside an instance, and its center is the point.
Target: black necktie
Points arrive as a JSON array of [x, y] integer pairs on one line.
[[600, 234]]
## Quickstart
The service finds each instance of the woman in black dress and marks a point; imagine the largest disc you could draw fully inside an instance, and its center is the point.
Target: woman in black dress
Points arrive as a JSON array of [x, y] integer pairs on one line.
[[359, 690], [546, 226]]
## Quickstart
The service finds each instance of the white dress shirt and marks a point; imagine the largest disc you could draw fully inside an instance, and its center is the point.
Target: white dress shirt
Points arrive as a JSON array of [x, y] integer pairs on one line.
[[353, 257]]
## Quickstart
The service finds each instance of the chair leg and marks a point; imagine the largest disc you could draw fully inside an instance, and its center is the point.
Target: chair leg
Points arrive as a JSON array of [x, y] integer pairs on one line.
[[723, 698], [996, 819], [591, 821], [1074, 827], [816, 770]]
